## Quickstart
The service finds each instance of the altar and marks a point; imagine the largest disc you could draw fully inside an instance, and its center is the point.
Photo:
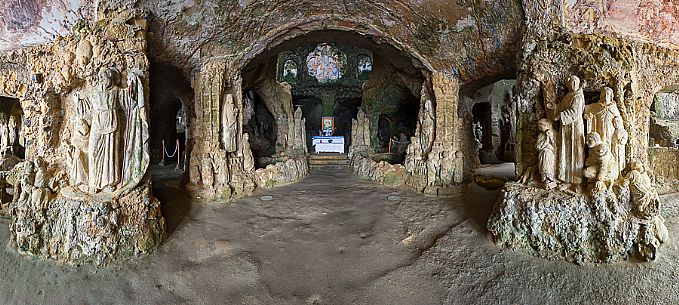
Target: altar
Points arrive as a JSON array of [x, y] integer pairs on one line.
[[328, 144]]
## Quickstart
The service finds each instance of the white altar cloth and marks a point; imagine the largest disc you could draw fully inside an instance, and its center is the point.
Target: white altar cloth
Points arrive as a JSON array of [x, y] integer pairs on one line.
[[338, 148], [328, 144]]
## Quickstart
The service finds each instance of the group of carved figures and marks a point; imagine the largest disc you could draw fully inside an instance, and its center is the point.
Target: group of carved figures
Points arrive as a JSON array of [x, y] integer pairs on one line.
[[9, 131], [100, 136], [562, 160]]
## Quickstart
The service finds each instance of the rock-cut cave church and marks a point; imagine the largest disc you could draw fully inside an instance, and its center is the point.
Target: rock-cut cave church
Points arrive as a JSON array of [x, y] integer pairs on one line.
[[339, 152]]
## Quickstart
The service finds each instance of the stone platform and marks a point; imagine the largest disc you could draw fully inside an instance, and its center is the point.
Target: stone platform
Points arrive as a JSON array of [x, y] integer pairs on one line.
[[574, 227]]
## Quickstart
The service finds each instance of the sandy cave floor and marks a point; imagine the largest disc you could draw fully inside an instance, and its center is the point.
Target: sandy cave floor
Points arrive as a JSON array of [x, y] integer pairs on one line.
[[335, 239]]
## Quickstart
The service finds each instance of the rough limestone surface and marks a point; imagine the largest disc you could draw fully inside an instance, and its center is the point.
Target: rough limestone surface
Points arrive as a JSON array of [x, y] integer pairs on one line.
[[664, 163], [392, 175], [82, 229], [282, 173], [577, 228], [55, 213]]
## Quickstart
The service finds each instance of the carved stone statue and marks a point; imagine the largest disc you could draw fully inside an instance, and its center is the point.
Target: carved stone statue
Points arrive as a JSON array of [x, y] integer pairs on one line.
[[546, 158], [620, 138], [229, 124], [644, 198], [426, 122], [12, 126], [412, 155], [478, 135], [79, 144], [360, 129], [360, 133], [366, 130], [458, 166], [136, 156], [603, 116], [298, 131], [434, 168], [207, 173], [600, 167], [248, 160], [4, 135], [104, 143], [571, 141]]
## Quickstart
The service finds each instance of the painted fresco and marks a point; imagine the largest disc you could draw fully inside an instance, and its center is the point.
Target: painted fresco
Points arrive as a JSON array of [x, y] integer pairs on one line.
[[649, 20], [326, 63], [365, 66], [30, 22]]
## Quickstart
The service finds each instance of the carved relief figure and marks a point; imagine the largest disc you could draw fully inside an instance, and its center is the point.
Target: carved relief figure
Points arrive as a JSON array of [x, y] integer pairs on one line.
[[4, 135], [478, 135], [413, 155], [603, 116], [104, 172], [248, 160], [298, 130], [645, 202], [206, 172], [12, 126], [458, 166], [136, 158], [229, 124], [426, 123], [599, 163], [79, 145], [434, 168], [571, 138], [546, 158], [620, 138], [360, 134]]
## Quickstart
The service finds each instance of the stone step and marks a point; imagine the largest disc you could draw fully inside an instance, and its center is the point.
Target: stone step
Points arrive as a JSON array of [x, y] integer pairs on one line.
[[314, 168], [329, 162], [328, 157]]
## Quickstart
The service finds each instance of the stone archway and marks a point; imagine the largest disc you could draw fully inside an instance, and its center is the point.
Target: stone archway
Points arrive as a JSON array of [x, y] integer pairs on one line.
[[436, 164]]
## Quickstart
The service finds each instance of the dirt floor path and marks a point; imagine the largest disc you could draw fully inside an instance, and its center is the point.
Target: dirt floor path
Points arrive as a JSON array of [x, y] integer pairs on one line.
[[335, 239]]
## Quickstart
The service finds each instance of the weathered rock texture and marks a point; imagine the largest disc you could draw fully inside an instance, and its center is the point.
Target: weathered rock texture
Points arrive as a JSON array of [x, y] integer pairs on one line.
[[664, 164], [56, 214], [282, 173], [635, 71], [575, 227], [392, 175]]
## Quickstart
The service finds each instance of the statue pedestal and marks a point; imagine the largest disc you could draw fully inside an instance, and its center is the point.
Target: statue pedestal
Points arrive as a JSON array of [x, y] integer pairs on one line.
[[574, 227], [74, 227]]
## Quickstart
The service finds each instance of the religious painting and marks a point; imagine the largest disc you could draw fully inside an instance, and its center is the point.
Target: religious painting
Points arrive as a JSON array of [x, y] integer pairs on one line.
[[328, 125], [289, 70], [326, 63], [365, 66], [584, 16], [648, 20]]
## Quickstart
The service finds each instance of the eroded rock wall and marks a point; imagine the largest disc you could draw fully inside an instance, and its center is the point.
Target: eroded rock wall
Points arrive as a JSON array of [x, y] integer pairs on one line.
[[87, 91], [634, 71]]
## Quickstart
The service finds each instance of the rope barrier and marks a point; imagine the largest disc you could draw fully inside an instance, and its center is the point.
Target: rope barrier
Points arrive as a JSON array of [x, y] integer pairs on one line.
[[175, 153]]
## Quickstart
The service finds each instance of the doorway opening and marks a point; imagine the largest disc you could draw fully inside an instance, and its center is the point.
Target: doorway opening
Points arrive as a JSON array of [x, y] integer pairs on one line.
[[170, 101], [490, 116], [12, 145], [329, 76]]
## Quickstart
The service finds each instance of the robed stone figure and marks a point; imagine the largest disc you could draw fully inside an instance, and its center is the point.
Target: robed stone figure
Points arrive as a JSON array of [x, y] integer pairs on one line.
[[104, 169], [603, 116], [571, 138], [229, 124]]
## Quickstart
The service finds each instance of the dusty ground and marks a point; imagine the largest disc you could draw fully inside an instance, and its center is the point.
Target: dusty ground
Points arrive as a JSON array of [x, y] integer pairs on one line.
[[335, 239]]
